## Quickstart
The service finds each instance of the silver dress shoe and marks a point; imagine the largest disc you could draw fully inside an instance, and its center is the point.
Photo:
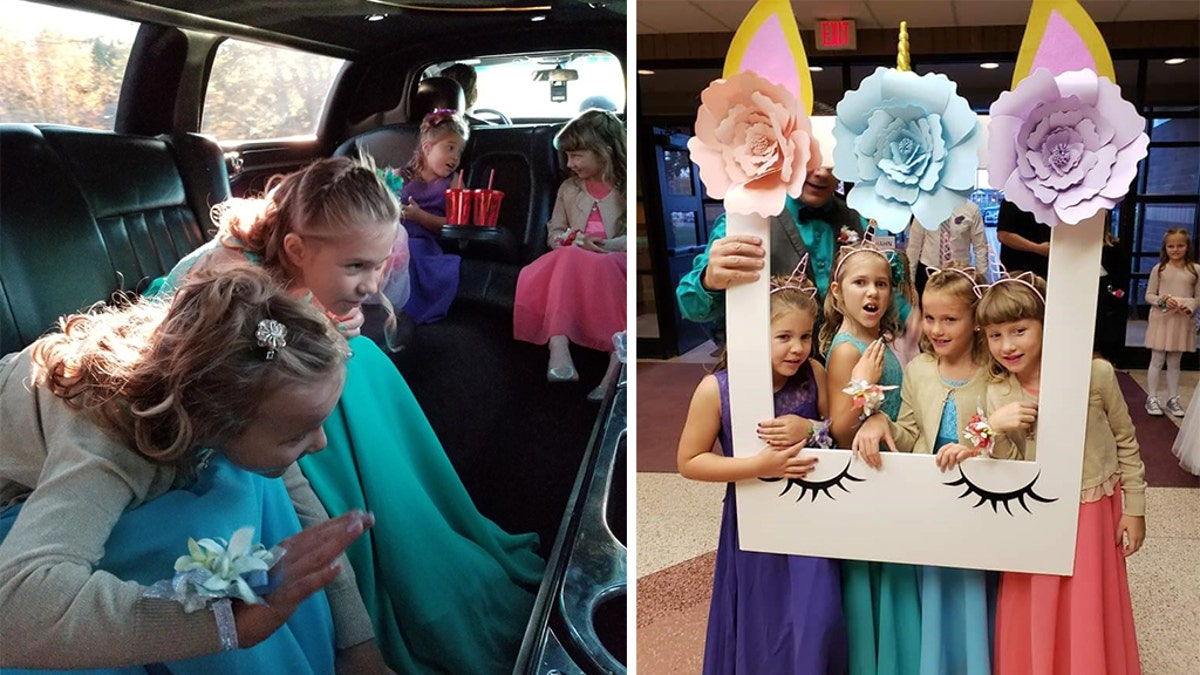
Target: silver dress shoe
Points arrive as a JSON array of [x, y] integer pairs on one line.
[[1173, 406], [567, 374], [1153, 407]]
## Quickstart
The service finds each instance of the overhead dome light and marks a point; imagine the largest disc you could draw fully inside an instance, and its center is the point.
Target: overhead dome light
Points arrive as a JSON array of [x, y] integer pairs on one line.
[[990, 65], [1174, 62], [376, 17], [539, 17], [815, 69], [645, 71]]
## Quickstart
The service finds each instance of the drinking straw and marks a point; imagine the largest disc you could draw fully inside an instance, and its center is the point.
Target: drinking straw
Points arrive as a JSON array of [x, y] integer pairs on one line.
[[491, 175]]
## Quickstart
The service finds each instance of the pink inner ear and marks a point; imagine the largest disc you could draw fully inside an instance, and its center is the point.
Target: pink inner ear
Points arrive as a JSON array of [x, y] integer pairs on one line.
[[1062, 49], [769, 56]]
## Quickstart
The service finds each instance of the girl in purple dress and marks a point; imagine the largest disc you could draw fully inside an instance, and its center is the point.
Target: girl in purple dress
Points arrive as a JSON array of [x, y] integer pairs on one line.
[[770, 613], [433, 272]]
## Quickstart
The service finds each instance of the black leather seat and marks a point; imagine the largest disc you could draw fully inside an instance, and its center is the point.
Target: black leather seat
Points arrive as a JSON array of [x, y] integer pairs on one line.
[[88, 214]]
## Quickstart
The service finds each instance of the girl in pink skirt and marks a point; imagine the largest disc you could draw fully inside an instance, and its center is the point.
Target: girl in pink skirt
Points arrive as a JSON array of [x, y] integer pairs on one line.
[[1080, 624], [576, 292]]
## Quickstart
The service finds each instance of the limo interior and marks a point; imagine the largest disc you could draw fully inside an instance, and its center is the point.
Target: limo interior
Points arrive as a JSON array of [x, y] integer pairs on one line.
[[87, 215]]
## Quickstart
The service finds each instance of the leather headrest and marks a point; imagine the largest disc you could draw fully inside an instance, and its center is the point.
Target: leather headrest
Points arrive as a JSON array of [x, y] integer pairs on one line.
[[434, 93]]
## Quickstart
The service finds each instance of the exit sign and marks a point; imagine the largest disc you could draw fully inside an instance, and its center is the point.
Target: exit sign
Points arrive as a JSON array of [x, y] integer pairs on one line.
[[836, 34]]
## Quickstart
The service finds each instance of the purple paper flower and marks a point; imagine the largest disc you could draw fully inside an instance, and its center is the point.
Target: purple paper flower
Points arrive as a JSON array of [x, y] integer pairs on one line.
[[1064, 147]]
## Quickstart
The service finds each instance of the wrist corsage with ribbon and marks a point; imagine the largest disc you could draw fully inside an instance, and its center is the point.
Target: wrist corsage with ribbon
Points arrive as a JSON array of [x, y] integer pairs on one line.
[[867, 397], [819, 437], [214, 572], [980, 434]]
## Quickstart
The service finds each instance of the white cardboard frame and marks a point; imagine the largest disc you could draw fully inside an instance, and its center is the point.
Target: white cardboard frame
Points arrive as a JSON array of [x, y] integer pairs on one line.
[[905, 512]]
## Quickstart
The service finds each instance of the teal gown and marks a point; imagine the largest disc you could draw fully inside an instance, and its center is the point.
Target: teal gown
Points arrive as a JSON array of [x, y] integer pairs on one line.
[[958, 606], [881, 600], [447, 589], [143, 548]]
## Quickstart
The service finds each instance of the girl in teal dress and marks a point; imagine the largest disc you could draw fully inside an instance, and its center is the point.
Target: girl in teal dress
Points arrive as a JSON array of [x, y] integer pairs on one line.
[[117, 451], [883, 615], [943, 387], [447, 589]]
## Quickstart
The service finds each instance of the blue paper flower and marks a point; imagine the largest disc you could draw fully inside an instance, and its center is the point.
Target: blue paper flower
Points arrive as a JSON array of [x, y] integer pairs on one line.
[[910, 144]]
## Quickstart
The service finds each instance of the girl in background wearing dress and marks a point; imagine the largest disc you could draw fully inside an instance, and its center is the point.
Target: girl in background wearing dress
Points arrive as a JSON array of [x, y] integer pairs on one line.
[[770, 613], [943, 387], [576, 292], [1172, 292], [883, 615], [447, 588], [1082, 623], [433, 272]]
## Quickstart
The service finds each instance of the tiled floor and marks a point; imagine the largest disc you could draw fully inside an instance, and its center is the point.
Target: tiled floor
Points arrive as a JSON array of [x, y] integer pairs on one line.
[[677, 526]]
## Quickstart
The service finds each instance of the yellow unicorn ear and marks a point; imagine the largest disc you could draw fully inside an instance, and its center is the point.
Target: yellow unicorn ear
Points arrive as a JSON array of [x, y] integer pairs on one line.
[[1060, 36], [763, 44]]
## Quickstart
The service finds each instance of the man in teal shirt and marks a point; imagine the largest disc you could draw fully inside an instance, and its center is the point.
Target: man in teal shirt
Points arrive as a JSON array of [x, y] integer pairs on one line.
[[809, 225]]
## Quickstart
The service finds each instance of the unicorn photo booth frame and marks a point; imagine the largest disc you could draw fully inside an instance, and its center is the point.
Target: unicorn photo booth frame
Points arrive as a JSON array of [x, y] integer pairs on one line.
[[985, 514]]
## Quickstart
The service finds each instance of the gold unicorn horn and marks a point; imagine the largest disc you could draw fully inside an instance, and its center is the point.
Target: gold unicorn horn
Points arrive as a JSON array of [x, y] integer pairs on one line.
[[902, 61]]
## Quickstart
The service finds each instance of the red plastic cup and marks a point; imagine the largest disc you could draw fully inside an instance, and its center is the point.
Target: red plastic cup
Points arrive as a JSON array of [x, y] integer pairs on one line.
[[458, 206], [487, 207]]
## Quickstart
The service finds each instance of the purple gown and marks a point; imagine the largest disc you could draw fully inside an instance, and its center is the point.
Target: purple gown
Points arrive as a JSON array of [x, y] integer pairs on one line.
[[771, 613], [433, 272]]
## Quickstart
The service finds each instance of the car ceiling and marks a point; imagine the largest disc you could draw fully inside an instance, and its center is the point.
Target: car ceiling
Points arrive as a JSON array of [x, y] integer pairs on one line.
[[340, 28]]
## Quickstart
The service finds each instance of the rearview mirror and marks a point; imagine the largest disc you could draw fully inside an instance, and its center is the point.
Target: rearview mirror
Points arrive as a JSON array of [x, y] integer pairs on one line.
[[556, 74]]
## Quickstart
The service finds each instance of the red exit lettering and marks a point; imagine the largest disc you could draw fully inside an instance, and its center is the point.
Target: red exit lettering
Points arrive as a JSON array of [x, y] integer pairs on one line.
[[836, 35]]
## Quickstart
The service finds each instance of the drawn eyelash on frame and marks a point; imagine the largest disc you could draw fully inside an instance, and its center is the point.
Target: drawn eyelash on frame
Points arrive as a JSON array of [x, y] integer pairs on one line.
[[997, 498], [816, 487]]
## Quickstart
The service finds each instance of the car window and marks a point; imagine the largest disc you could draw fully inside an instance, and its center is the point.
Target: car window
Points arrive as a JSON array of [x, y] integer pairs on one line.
[[61, 66], [258, 92], [546, 85]]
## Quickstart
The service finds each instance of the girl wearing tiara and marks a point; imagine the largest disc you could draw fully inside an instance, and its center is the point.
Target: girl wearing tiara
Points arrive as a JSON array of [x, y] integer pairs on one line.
[[433, 272], [1082, 623], [883, 615], [770, 613]]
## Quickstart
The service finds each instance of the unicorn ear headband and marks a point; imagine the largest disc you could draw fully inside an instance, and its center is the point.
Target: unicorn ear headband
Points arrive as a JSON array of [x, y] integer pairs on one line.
[[867, 245], [1025, 278], [968, 272], [796, 280]]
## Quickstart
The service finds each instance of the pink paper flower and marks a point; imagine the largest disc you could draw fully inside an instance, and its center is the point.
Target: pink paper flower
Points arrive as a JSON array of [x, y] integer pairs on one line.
[[754, 144], [1076, 150]]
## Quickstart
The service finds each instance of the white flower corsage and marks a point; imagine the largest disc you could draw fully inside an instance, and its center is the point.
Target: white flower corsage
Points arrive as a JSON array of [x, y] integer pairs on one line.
[[847, 236], [868, 397], [214, 569], [980, 434]]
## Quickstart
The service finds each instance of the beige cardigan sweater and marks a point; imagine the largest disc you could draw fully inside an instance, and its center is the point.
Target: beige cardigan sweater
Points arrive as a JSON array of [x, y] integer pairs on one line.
[[1110, 445], [922, 397], [56, 610], [571, 210]]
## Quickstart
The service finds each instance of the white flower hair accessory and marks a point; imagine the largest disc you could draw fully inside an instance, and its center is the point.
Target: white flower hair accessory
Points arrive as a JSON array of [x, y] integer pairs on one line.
[[272, 335]]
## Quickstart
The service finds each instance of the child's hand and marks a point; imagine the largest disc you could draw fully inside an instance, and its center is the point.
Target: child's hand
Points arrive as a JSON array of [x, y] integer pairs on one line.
[[783, 462], [411, 211], [952, 454], [311, 560], [351, 324], [1013, 417], [866, 441], [1172, 303], [593, 244], [785, 430], [870, 364], [1131, 533]]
